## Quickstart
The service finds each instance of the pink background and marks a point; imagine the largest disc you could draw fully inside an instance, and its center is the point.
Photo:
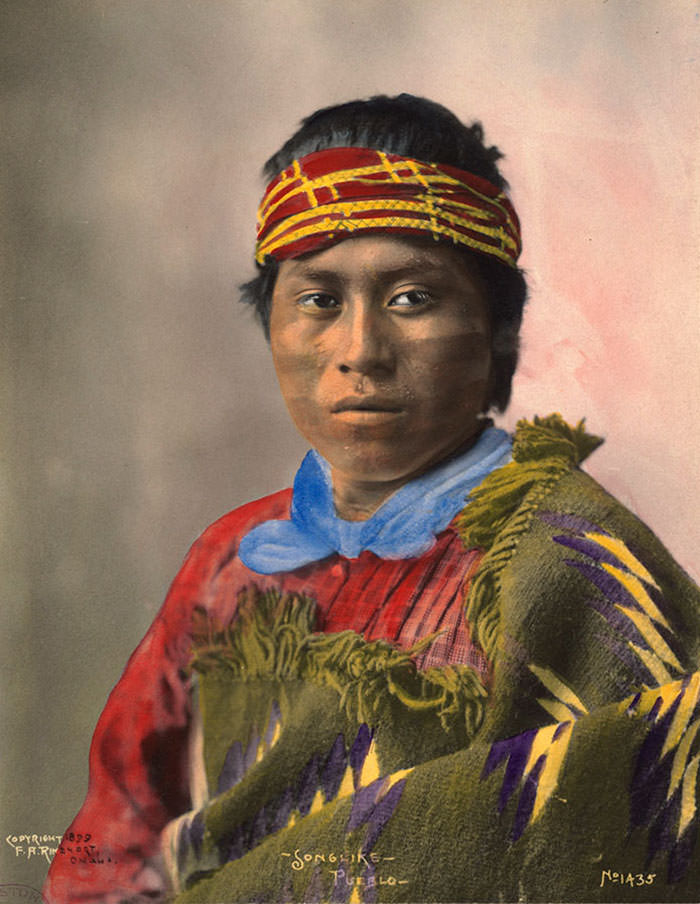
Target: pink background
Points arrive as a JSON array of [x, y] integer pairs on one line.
[[140, 399]]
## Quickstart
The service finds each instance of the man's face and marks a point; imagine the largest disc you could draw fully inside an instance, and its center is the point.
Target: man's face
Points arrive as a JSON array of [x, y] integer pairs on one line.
[[382, 351]]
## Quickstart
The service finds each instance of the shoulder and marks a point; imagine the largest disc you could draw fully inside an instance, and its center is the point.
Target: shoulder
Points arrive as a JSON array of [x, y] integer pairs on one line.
[[212, 557], [553, 538], [218, 544], [573, 591], [580, 522], [224, 534]]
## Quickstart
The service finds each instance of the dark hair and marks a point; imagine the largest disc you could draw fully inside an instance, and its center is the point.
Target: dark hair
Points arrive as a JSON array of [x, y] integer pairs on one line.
[[418, 128]]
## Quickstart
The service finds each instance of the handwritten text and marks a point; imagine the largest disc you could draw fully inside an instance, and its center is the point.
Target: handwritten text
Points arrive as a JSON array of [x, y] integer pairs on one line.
[[622, 878]]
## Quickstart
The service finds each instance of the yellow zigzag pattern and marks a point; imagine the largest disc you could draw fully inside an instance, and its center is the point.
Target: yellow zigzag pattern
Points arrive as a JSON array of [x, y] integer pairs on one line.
[[567, 705], [566, 708], [370, 772], [632, 577], [555, 751], [679, 739]]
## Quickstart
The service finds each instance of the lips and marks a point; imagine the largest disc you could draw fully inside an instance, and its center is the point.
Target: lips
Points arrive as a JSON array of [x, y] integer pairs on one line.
[[366, 403], [367, 413]]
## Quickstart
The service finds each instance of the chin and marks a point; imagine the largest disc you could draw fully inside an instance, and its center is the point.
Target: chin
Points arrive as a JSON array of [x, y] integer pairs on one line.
[[380, 466]]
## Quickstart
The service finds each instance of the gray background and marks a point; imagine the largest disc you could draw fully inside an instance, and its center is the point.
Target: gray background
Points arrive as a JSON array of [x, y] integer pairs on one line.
[[138, 400]]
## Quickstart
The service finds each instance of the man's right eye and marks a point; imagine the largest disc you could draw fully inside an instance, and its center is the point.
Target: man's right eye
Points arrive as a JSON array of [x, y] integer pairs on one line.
[[318, 301]]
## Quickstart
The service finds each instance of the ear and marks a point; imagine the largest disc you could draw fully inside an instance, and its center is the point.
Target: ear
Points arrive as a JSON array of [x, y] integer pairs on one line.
[[504, 359]]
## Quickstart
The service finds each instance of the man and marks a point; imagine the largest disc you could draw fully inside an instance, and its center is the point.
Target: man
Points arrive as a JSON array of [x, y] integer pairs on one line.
[[447, 665]]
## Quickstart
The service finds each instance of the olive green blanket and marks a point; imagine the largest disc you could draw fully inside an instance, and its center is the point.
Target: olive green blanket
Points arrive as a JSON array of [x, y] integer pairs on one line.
[[335, 771]]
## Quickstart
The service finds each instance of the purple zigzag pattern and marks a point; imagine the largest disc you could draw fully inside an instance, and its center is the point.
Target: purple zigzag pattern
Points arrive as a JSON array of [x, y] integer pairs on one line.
[[363, 804], [308, 783], [527, 798], [373, 809], [381, 814], [574, 523], [587, 548], [650, 806], [606, 583], [324, 773], [516, 753], [233, 769], [333, 769], [613, 592], [359, 750], [237, 762]]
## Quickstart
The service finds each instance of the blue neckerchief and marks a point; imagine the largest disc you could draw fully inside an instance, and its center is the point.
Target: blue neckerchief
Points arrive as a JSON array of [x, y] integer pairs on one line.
[[403, 526]]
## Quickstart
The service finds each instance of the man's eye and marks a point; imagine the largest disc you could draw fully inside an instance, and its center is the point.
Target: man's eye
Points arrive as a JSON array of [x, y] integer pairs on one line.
[[411, 299], [318, 301]]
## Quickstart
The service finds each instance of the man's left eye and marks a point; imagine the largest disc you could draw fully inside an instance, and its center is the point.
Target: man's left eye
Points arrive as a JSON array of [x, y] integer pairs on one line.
[[412, 298]]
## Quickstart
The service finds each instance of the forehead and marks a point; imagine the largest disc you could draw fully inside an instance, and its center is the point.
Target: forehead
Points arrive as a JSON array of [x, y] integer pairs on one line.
[[383, 258]]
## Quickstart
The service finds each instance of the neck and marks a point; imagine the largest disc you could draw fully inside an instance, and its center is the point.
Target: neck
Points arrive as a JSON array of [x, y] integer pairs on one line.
[[358, 500]]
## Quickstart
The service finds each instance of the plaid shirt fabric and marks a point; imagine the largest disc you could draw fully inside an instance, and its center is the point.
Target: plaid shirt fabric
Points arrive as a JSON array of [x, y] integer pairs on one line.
[[139, 754], [403, 600]]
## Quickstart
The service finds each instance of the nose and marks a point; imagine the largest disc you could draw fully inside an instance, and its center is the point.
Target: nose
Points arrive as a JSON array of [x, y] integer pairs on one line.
[[364, 342]]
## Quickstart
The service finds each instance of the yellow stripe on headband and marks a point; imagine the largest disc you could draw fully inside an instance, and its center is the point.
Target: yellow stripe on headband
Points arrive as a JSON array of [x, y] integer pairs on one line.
[[327, 195]]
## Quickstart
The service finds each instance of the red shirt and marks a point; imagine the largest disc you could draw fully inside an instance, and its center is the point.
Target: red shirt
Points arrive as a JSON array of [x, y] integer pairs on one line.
[[139, 753]]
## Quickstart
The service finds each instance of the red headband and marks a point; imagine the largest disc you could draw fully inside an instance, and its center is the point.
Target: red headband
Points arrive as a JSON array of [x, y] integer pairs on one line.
[[334, 194]]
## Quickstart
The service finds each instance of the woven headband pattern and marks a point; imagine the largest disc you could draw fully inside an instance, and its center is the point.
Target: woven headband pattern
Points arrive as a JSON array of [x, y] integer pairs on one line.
[[337, 193]]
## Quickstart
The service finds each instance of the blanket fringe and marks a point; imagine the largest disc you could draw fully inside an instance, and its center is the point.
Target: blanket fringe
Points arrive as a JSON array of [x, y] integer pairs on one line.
[[501, 508], [272, 636]]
